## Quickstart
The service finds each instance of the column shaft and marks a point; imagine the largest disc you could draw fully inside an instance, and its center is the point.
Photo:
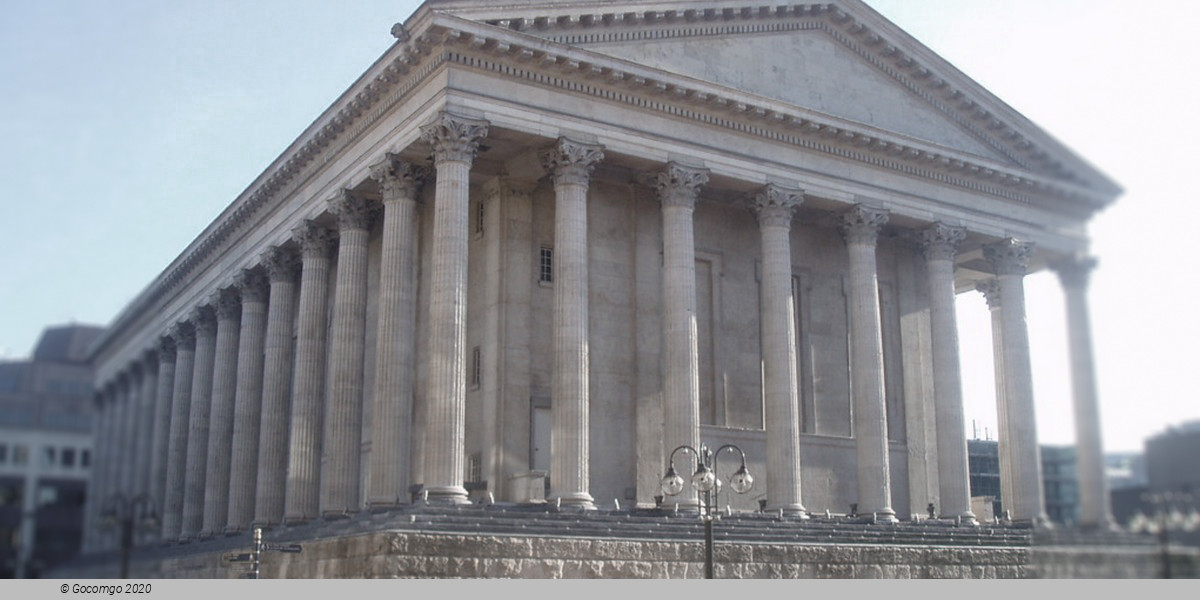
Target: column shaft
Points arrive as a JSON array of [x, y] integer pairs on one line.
[[147, 403], [308, 389], [127, 430], [177, 448], [220, 434], [1095, 509], [455, 141], [571, 164], [860, 226], [1009, 258], [282, 268], [391, 425], [247, 415], [343, 413], [774, 207], [199, 422], [940, 243], [678, 188], [160, 444]]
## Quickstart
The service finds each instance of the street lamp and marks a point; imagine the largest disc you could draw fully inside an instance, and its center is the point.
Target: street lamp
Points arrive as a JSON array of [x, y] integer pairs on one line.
[[707, 481], [1168, 516], [125, 511]]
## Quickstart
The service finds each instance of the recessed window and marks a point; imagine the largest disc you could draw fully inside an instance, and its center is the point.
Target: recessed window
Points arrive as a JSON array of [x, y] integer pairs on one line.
[[85, 459], [68, 457], [20, 455], [48, 455], [3, 454], [546, 265], [476, 367]]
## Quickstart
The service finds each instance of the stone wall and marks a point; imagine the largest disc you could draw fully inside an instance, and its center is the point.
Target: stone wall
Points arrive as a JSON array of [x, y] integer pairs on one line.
[[422, 555]]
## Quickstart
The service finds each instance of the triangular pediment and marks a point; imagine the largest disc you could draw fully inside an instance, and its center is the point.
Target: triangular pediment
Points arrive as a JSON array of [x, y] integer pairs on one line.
[[838, 58], [810, 69]]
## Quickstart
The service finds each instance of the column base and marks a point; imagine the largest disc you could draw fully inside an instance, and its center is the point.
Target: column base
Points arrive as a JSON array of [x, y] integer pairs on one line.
[[445, 494], [967, 518], [573, 501], [795, 511], [882, 515]]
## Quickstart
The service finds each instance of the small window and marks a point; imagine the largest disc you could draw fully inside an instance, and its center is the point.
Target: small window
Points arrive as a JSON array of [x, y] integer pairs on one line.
[[476, 367], [20, 455], [68, 457], [48, 456], [546, 265], [85, 459], [3, 454]]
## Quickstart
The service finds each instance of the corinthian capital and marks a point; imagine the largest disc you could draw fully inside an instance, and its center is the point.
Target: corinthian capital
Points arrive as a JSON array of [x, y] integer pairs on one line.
[[252, 284], [183, 336], [398, 179], [571, 162], [229, 304], [166, 349], [1008, 256], [281, 264], [991, 292], [861, 224], [775, 205], [204, 319], [453, 137], [314, 239], [940, 241], [1074, 271], [353, 211], [678, 185]]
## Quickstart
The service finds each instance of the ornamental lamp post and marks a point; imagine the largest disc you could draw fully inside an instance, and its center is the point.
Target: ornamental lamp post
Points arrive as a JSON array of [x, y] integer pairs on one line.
[[125, 511], [707, 481]]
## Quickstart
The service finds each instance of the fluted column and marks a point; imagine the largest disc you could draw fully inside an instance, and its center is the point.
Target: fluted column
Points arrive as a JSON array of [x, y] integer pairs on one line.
[[343, 414], [122, 457], [220, 432], [391, 425], [774, 207], [570, 163], [940, 243], [199, 422], [455, 141], [1010, 258], [146, 407], [160, 443], [990, 289], [247, 405], [678, 188], [282, 269], [98, 487], [860, 226], [184, 336], [1095, 509], [308, 388]]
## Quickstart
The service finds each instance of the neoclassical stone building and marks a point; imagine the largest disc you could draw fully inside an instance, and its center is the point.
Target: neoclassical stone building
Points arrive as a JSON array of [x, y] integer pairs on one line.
[[546, 242]]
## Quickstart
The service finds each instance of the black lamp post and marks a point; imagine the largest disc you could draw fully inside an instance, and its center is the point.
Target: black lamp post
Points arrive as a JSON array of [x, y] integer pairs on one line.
[[706, 481], [124, 511]]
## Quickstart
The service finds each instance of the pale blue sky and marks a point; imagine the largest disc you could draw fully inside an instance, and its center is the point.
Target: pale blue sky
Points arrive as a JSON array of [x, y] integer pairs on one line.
[[127, 125]]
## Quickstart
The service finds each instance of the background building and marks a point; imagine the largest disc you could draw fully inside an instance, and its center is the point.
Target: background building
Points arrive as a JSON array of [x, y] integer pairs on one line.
[[45, 451]]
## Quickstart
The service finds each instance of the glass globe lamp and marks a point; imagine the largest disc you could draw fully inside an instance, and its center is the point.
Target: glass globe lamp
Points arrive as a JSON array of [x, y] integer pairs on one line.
[[742, 481], [672, 483], [704, 479]]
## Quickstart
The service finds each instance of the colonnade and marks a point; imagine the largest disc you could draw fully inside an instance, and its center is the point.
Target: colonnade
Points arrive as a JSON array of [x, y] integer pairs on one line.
[[228, 423]]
